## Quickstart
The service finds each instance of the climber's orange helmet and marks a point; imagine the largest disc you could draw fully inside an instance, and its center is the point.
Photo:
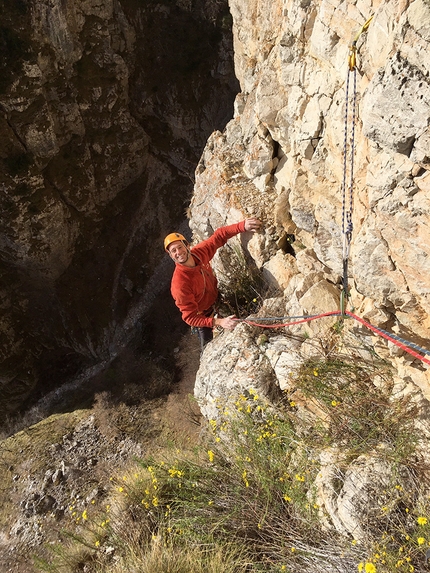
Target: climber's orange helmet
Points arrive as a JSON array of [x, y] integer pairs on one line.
[[172, 238]]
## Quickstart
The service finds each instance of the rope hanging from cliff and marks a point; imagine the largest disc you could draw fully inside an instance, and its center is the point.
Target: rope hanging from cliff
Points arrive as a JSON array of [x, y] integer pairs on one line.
[[347, 226], [348, 158]]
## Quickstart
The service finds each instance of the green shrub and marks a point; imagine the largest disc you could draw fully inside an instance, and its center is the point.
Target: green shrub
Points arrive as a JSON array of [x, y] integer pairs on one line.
[[360, 410], [242, 287]]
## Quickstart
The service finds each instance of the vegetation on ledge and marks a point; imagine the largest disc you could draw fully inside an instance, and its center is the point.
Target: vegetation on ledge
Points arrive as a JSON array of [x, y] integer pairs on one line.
[[247, 499]]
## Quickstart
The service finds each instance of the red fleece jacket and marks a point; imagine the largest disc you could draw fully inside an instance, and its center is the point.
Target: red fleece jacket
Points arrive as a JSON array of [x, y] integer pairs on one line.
[[195, 289]]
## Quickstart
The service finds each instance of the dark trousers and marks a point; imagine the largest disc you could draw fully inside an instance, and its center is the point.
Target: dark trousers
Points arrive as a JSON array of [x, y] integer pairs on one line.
[[205, 335], [205, 332]]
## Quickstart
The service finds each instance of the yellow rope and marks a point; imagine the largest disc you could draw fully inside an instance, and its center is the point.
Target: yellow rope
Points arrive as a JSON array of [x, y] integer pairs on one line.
[[352, 57]]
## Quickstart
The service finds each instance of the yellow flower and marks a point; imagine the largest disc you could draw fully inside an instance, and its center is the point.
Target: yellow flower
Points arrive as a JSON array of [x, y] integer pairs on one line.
[[293, 549], [422, 520], [211, 455], [299, 477], [315, 372], [421, 540], [334, 403], [244, 479], [360, 566], [292, 404], [287, 498], [84, 514], [155, 501], [173, 472], [370, 568]]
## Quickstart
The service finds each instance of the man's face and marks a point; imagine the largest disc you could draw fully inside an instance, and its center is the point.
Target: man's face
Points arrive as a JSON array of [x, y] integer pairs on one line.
[[178, 252]]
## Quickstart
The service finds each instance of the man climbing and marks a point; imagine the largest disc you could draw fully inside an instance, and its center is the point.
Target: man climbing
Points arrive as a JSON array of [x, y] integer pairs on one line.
[[194, 286]]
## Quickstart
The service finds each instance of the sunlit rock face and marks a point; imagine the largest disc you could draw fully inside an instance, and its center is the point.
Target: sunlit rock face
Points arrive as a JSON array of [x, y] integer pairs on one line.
[[281, 158], [105, 108]]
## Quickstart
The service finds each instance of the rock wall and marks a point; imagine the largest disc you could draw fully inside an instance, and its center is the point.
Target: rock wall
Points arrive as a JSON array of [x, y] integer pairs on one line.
[[104, 110], [281, 158]]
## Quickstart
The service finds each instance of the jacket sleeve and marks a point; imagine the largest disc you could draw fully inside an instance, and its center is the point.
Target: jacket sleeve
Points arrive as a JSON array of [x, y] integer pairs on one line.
[[210, 246], [187, 304]]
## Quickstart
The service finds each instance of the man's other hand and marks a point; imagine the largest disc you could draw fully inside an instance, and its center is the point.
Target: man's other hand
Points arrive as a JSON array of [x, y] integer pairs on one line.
[[228, 323]]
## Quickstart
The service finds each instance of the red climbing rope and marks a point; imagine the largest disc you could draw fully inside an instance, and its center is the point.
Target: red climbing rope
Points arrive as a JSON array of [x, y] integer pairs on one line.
[[388, 337], [392, 338], [306, 319]]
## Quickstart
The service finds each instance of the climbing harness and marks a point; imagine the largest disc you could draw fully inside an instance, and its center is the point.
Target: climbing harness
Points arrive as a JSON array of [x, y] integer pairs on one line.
[[348, 157]]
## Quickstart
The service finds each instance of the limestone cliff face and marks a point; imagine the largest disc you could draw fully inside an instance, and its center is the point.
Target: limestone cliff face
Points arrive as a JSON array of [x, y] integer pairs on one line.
[[104, 111], [281, 158]]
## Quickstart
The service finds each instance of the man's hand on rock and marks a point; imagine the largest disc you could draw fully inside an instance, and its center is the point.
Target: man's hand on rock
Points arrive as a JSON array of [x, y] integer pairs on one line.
[[252, 224]]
